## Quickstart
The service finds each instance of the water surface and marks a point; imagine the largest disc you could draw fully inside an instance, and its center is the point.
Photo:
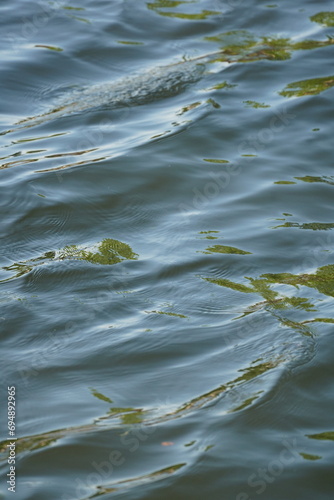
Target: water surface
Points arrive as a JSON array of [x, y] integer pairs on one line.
[[167, 271]]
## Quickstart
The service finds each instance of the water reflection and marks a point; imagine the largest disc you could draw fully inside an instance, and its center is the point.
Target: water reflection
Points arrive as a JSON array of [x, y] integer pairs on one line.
[[313, 178], [308, 456], [158, 5], [138, 480], [323, 436], [314, 226], [108, 252], [322, 281], [243, 46], [225, 249], [255, 104], [313, 86], [238, 46], [176, 315], [324, 18], [50, 47], [230, 390]]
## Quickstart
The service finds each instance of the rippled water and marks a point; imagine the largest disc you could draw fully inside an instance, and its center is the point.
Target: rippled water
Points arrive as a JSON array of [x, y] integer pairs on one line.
[[167, 269]]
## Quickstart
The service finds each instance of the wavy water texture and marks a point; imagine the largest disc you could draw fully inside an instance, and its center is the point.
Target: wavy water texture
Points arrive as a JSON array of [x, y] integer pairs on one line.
[[167, 265], [156, 83], [170, 80]]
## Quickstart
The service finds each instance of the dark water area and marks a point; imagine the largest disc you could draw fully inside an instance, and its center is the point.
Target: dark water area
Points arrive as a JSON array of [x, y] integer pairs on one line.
[[167, 267]]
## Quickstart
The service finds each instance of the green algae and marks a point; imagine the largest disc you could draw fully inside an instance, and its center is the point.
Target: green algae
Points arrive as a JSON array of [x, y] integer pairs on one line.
[[170, 4], [255, 104], [50, 47], [167, 314], [314, 226], [101, 396], [308, 456], [225, 249], [223, 85], [313, 86], [324, 18], [322, 281], [108, 252], [243, 46], [251, 372], [215, 160], [313, 178], [128, 416], [323, 436]]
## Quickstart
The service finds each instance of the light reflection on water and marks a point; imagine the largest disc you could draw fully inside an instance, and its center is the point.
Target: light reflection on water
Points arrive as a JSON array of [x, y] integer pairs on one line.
[[150, 362]]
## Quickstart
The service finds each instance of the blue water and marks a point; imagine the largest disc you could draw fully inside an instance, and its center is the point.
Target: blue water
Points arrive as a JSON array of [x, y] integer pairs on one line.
[[167, 269]]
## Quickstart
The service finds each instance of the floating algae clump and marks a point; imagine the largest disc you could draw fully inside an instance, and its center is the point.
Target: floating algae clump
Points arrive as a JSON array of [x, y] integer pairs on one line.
[[225, 249], [325, 18], [322, 281], [110, 252], [308, 87]]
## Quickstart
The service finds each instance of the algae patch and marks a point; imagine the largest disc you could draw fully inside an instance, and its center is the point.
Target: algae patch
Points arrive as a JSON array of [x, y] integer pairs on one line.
[[313, 86]]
